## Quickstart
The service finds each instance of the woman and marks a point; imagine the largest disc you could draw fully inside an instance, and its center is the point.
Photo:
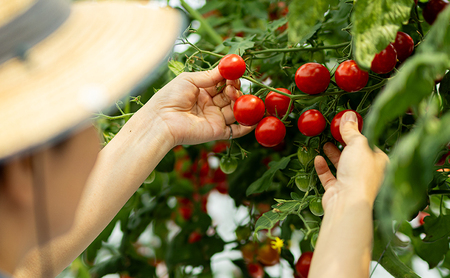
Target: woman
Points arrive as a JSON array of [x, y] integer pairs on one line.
[[58, 64]]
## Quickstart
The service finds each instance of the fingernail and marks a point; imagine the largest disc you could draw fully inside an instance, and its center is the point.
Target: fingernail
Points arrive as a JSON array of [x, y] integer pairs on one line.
[[350, 117]]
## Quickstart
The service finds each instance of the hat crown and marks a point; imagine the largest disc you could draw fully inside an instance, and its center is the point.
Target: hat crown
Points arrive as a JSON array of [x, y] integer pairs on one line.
[[9, 9]]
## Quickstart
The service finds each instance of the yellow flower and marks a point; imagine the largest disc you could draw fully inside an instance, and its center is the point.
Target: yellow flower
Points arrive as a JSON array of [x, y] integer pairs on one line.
[[277, 244]]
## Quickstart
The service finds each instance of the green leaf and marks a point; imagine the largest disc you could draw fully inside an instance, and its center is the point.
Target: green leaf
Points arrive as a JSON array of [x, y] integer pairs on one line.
[[265, 181], [414, 82], [410, 170], [304, 15], [167, 164], [375, 25], [267, 221], [239, 45], [436, 228], [176, 67], [272, 26]]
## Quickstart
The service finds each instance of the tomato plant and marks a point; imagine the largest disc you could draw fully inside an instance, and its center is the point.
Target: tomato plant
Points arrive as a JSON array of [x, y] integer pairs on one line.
[[311, 122], [334, 126], [322, 52], [255, 270], [277, 104], [267, 256], [248, 110], [232, 67]]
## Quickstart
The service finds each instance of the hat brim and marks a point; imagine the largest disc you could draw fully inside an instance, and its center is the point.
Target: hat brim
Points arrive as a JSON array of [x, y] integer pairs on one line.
[[102, 52]]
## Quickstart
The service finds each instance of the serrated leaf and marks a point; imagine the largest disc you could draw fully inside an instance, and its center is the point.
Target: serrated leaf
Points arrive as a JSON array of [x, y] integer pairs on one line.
[[375, 25], [414, 82], [272, 26], [263, 183], [239, 45], [267, 221], [304, 15], [176, 67]]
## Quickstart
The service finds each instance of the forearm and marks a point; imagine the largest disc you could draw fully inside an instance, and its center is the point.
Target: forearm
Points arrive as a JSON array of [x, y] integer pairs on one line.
[[344, 246], [120, 169]]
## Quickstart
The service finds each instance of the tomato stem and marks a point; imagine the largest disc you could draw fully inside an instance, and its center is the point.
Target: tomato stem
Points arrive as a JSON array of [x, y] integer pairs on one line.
[[299, 49]]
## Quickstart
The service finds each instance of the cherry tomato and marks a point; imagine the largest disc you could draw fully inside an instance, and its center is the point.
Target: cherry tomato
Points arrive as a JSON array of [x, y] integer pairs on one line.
[[186, 212], [222, 187], [443, 159], [350, 78], [404, 45], [305, 155], [315, 206], [303, 264], [194, 237], [334, 126], [228, 164], [312, 78], [385, 61], [277, 104], [248, 110], [232, 67], [311, 122], [302, 181], [267, 255], [270, 132], [432, 10], [249, 251], [255, 270]]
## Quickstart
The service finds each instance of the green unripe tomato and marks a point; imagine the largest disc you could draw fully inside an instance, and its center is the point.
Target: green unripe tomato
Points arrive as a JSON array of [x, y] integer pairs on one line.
[[302, 182], [151, 177], [228, 164], [314, 239], [305, 155], [243, 233], [315, 206]]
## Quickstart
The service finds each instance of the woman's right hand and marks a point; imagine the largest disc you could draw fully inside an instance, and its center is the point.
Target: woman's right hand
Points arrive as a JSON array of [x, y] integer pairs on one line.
[[360, 170]]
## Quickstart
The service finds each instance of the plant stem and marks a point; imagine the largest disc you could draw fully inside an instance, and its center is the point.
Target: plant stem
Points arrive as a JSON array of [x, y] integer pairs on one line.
[[298, 49], [115, 117], [208, 29], [439, 192]]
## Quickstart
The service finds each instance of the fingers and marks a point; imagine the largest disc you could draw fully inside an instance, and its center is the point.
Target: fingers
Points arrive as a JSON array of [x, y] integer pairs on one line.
[[349, 128], [239, 130], [203, 79], [323, 171], [333, 153], [228, 95], [228, 115]]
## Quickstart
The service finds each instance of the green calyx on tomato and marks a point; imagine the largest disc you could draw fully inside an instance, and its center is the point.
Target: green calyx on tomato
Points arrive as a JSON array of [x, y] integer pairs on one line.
[[306, 155], [315, 206], [228, 164]]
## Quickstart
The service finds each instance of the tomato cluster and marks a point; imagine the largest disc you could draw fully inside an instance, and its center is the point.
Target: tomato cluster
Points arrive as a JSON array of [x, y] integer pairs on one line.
[[258, 256]]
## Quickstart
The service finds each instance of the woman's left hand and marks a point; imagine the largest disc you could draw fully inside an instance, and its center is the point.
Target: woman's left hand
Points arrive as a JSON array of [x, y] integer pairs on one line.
[[197, 108]]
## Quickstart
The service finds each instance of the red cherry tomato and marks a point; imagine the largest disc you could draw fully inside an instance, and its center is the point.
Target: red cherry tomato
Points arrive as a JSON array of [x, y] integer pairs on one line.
[[311, 122], [432, 10], [303, 264], [277, 104], [267, 255], [350, 78], [334, 126], [232, 67], [270, 132], [194, 237], [312, 78], [385, 61], [255, 270], [404, 45], [248, 110]]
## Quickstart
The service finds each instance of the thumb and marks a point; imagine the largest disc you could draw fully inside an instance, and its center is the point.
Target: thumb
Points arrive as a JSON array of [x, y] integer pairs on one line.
[[349, 127]]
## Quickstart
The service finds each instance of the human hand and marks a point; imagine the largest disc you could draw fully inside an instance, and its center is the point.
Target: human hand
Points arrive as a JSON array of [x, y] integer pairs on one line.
[[360, 170], [194, 111]]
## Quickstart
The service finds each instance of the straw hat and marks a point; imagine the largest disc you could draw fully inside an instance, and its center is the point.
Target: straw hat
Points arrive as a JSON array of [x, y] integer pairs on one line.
[[59, 63]]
